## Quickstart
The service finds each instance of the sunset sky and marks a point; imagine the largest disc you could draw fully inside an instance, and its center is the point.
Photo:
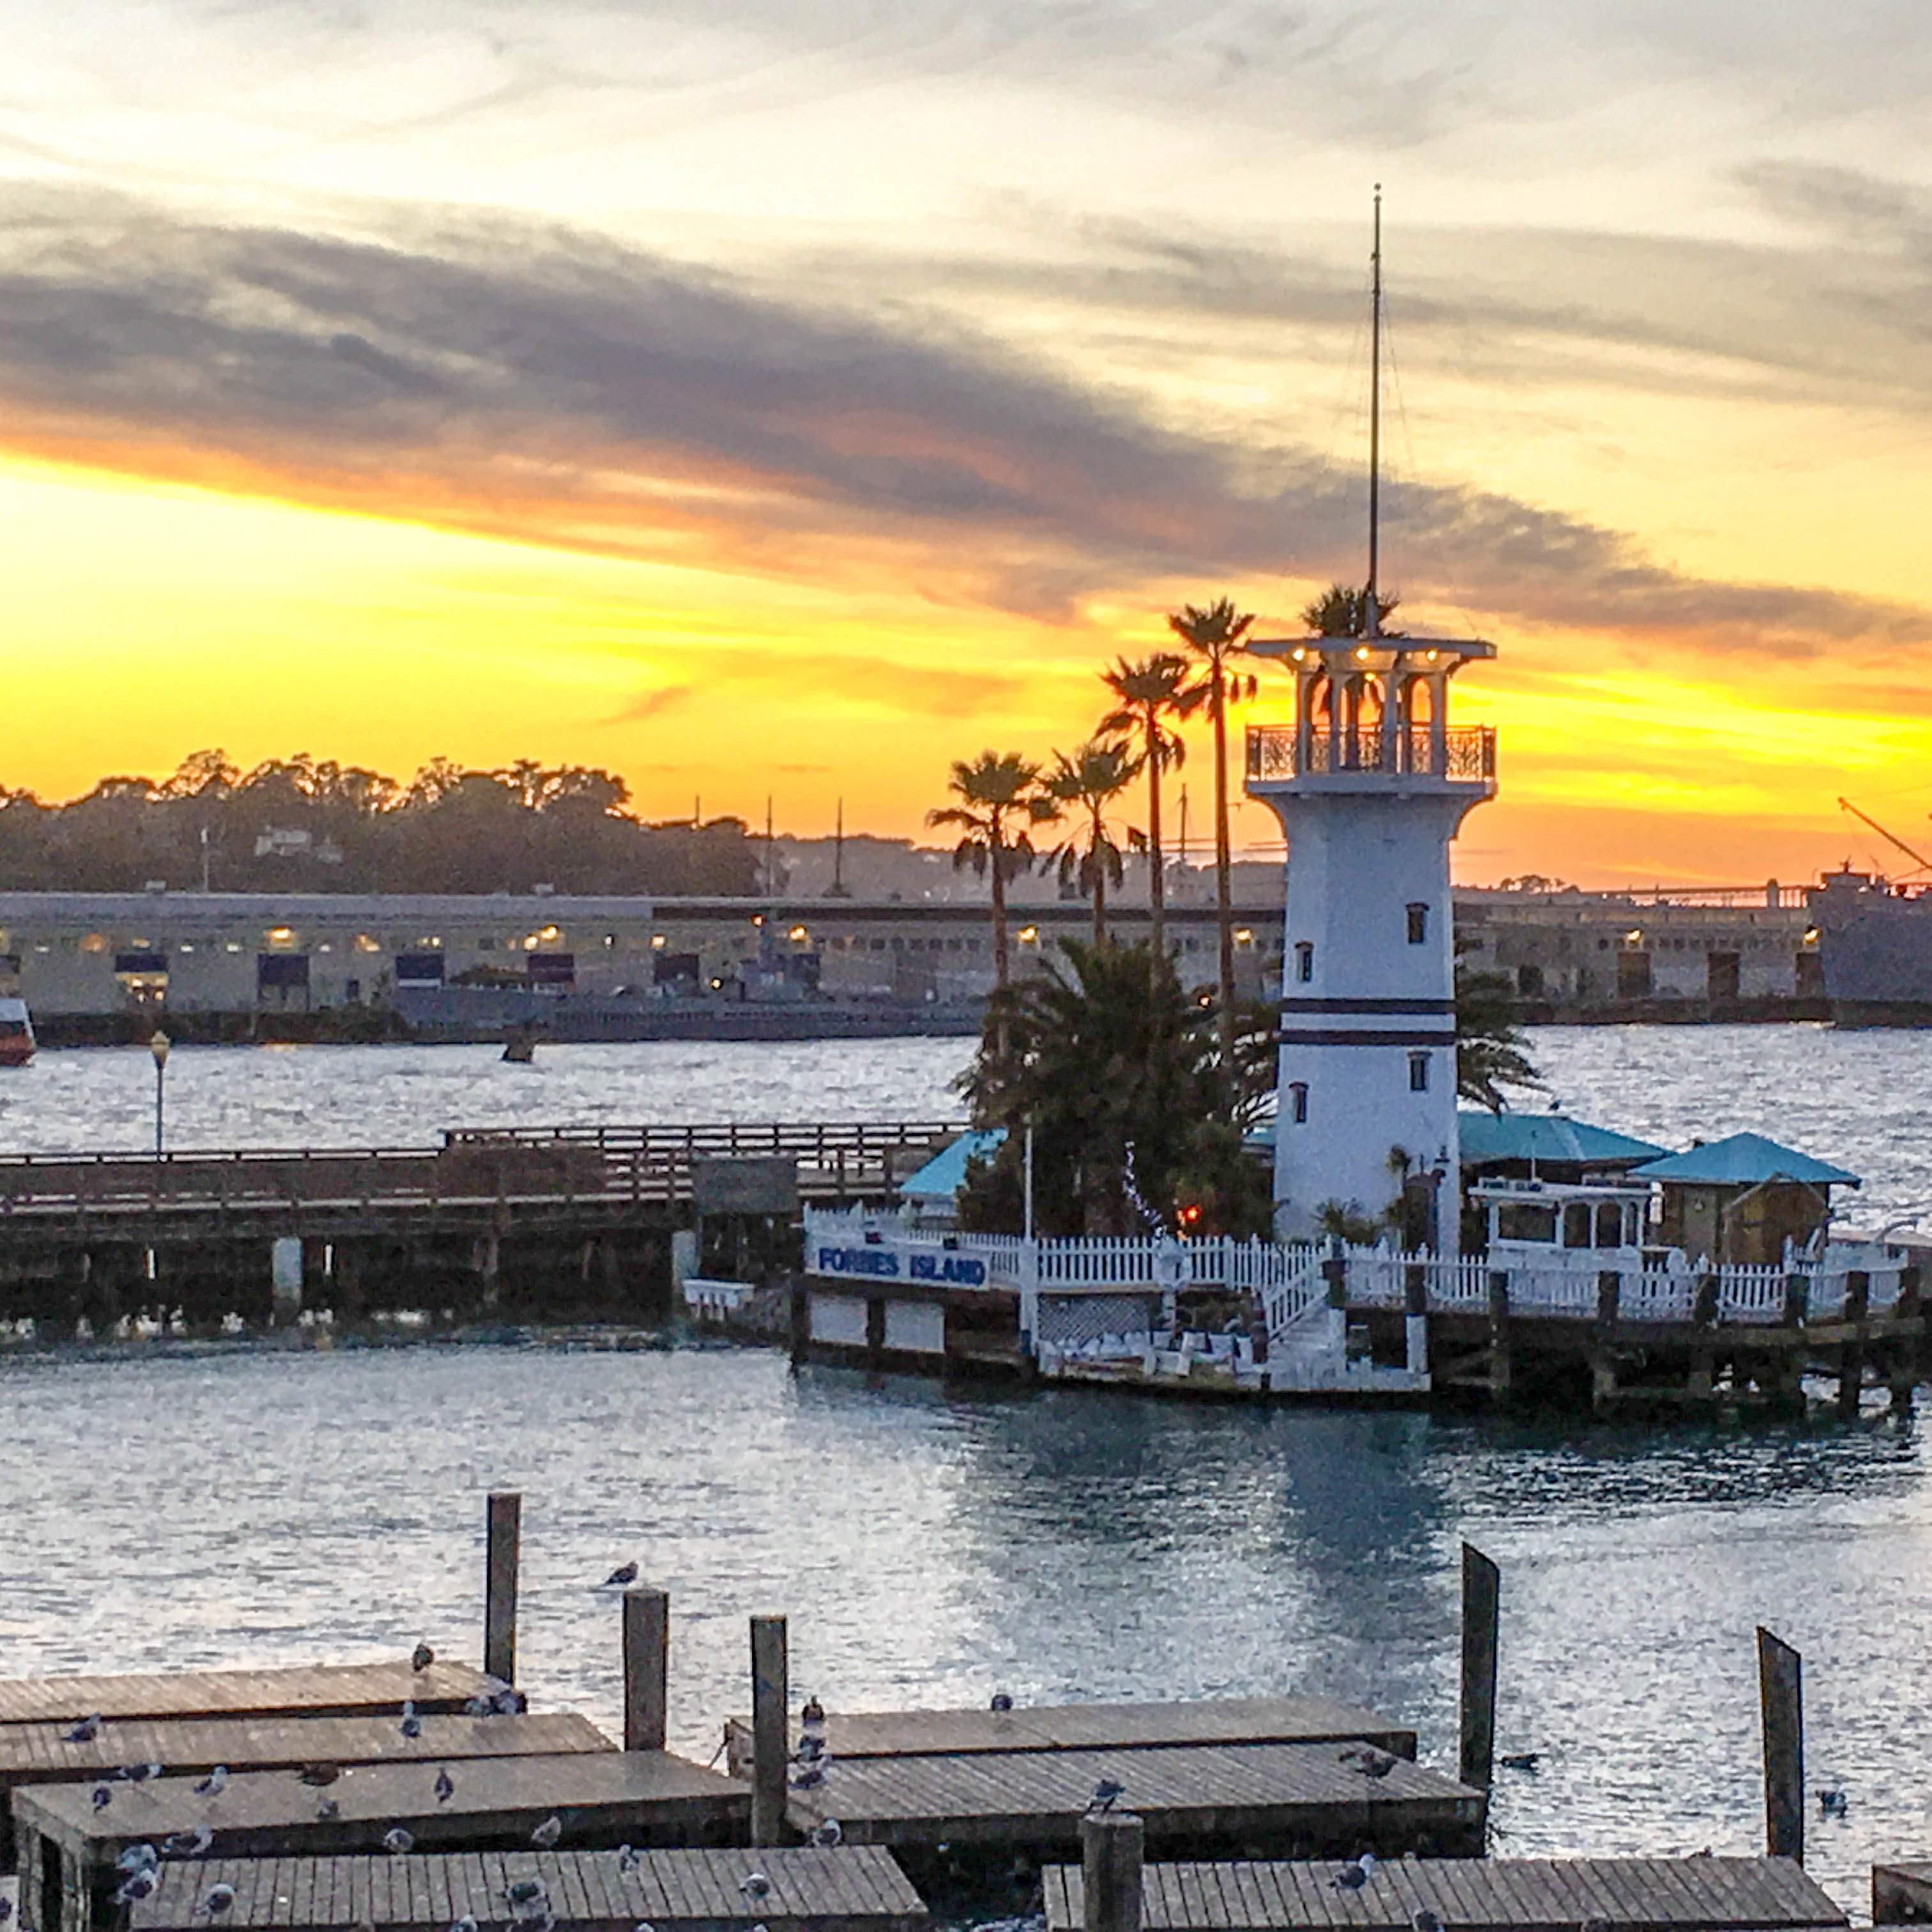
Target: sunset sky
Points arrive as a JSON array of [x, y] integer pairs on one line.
[[752, 397]]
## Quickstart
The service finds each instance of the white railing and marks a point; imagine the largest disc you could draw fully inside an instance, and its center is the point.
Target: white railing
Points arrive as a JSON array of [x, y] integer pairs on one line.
[[1751, 1295]]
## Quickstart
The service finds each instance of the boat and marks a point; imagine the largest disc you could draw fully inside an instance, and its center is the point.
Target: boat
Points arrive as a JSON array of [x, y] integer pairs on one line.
[[16, 1034]]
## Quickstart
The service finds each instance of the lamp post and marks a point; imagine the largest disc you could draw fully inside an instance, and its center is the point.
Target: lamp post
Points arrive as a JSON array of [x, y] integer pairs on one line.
[[158, 1046]]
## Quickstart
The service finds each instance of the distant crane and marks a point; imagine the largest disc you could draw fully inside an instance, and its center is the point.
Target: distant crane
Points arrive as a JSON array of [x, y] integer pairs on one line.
[[1924, 864]]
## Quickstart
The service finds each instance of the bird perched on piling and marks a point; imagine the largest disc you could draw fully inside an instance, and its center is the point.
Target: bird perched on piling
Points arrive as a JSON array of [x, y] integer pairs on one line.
[[396, 1841], [1105, 1792], [444, 1787], [624, 1573], [210, 1786], [547, 1834], [828, 1834], [755, 1885], [1003, 1700], [421, 1658], [220, 1898], [1353, 1875], [85, 1731], [1423, 1920], [411, 1724]]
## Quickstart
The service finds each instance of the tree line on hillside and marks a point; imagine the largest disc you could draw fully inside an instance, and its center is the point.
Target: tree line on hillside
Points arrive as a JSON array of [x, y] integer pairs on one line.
[[304, 824], [1139, 1092]]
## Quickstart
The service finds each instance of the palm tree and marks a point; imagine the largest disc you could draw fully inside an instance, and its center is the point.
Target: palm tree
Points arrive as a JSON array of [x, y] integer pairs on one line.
[[1002, 800], [1214, 635], [1096, 775], [1150, 690], [1341, 612], [1490, 1054]]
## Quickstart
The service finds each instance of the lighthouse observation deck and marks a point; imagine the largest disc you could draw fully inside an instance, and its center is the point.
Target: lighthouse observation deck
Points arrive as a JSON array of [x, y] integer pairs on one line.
[[1462, 753]]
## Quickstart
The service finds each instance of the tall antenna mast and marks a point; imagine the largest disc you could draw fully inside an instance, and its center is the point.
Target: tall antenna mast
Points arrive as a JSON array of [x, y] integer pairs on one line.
[[1371, 611]]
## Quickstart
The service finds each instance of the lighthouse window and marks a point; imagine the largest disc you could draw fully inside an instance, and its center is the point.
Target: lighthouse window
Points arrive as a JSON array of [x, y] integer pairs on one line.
[[1418, 1073], [1418, 923], [1297, 1102], [1304, 961]]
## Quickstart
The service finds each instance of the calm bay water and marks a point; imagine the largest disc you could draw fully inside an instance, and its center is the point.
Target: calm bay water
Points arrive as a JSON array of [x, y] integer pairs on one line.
[[932, 1547]]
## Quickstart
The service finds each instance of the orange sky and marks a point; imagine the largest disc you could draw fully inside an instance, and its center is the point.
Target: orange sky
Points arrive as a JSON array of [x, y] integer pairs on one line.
[[753, 403]]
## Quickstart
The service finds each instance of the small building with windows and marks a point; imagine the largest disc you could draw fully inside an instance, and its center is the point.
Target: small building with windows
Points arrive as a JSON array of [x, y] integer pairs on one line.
[[1742, 1199]]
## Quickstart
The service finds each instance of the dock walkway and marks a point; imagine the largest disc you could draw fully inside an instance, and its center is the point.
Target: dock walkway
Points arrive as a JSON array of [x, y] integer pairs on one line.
[[1694, 1895], [846, 1890], [315, 1690]]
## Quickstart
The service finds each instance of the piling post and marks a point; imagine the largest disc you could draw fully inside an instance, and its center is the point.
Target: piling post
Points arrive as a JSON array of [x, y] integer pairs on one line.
[[647, 1667], [1112, 1845], [1851, 1351], [1481, 1596], [1499, 1335], [1781, 1704], [771, 1734], [502, 1541]]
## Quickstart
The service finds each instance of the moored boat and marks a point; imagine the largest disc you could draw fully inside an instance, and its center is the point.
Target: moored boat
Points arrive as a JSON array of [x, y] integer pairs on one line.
[[16, 1034]]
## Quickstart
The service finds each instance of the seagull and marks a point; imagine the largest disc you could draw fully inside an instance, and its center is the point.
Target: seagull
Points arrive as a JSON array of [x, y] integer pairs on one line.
[[421, 1658], [755, 1885], [627, 1860], [210, 1786], [624, 1573], [1353, 1877], [445, 1786], [1423, 1920], [138, 1773], [135, 1886], [85, 1731], [547, 1834], [506, 1703], [319, 1774], [412, 1725], [828, 1833], [220, 1898], [104, 1796], [1003, 1700], [138, 1858], [396, 1840], [813, 1715], [526, 1891], [1105, 1792], [1520, 1760], [1369, 1762]]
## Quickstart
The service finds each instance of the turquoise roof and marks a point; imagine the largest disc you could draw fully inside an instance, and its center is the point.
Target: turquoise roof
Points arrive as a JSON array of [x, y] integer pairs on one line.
[[1486, 1137], [1743, 1160], [944, 1175]]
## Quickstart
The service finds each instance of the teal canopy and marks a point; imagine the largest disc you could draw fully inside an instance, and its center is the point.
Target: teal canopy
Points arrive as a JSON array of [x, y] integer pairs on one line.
[[941, 1178], [1487, 1137], [1743, 1160]]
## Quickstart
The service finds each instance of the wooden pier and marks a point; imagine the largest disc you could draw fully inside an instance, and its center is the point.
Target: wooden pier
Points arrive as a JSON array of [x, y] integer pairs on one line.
[[67, 1848], [806, 1890], [308, 1691], [1693, 1895]]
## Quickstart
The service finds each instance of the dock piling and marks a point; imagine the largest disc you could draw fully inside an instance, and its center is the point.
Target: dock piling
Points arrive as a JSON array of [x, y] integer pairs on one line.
[[771, 1735], [1481, 1596], [1112, 1846], [647, 1667], [502, 1541], [1781, 1704]]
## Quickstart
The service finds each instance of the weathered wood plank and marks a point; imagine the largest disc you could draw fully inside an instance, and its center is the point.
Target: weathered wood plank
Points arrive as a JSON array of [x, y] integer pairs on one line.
[[318, 1689]]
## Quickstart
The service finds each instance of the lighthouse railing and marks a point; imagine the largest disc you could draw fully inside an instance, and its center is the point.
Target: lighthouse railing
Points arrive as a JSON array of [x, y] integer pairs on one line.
[[1462, 751]]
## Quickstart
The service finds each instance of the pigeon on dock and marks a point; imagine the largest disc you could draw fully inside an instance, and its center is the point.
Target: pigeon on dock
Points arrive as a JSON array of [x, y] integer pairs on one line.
[[628, 1861], [526, 1891], [1369, 1762], [546, 1834], [137, 1774], [104, 1796], [85, 1731], [755, 1885], [138, 1858], [624, 1574], [828, 1835], [811, 1775], [319, 1775], [187, 1844], [465, 1924], [210, 1786], [812, 1717], [396, 1841], [328, 1809], [1423, 1920], [220, 1898], [1003, 1700], [421, 1658], [135, 1887], [1105, 1792], [411, 1724], [444, 1787], [1353, 1875]]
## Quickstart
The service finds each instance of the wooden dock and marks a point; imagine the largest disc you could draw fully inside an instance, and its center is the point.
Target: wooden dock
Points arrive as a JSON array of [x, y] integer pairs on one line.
[[311, 1691], [41, 1754], [67, 1848], [847, 1890], [1901, 1893], [1251, 1799], [1694, 1895], [1049, 1727]]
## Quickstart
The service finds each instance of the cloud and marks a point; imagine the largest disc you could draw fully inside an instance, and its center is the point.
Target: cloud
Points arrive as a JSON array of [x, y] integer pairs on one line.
[[649, 704], [537, 383]]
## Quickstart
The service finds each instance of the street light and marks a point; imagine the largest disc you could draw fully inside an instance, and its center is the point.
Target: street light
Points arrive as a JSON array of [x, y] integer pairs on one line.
[[158, 1046]]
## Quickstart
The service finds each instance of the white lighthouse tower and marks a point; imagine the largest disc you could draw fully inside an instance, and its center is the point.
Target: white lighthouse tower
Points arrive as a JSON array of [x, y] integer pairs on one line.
[[1370, 783]]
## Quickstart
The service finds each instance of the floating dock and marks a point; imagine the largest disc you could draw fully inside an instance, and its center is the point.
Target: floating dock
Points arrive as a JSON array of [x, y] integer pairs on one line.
[[310, 1690], [1693, 1895], [846, 1890]]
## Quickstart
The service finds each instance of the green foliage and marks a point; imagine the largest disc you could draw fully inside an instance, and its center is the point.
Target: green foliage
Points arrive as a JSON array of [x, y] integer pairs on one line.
[[1102, 1051], [1087, 783], [1345, 1222], [1490, 1050], [450, 829], [1341, 612], [1000, 797]]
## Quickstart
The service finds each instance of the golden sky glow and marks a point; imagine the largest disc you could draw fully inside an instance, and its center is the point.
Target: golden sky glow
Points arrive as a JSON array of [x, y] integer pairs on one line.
[[758, 400]]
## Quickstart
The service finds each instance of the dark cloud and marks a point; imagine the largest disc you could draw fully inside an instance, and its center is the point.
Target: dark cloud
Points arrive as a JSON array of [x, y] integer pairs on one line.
[[649, 704], [568, 391]]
